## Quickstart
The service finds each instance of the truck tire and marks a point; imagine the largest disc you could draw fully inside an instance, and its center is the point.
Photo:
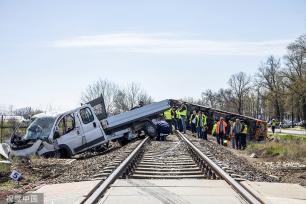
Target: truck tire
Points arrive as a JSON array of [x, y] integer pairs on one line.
[[64, 153], [150, 129], [123, 140]]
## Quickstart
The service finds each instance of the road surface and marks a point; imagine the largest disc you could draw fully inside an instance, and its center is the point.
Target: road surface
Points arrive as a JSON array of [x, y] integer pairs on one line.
[[285, 131]]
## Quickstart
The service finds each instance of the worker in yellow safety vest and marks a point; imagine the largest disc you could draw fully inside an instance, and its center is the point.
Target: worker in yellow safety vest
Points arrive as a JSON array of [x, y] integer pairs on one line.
[[244, 134], [214, 129], [183, 115], [205, 128], [201, 123], [168, 118], [178, 120]]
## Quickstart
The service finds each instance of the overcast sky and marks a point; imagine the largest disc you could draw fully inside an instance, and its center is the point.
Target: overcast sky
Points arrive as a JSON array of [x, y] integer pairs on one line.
[[51, 50]]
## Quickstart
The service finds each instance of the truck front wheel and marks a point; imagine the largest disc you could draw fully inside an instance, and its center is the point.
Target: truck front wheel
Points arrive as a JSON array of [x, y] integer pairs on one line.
[[150, 129], [64, 153]]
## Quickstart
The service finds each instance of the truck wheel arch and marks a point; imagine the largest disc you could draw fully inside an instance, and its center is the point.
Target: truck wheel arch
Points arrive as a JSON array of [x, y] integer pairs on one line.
[[65, 151]]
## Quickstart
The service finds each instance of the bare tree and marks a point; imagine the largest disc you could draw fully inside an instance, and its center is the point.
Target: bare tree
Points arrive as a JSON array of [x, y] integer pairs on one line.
[[116, 99], [25, 112], [132, 92], [130, 96], [143, 96], [209, 98], [295, 72], [240, 85], [103, 87], [270, 78], [121, 102]]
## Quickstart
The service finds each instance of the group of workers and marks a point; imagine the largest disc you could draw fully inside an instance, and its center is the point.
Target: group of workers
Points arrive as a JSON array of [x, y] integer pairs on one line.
[[177, 117], [234, 132]]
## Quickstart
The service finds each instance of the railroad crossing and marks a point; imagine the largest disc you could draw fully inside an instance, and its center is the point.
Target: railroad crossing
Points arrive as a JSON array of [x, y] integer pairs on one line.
[[174, 171]]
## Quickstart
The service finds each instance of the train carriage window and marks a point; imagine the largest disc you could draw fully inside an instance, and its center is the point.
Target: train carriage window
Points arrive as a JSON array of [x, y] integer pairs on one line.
[[86, 115]]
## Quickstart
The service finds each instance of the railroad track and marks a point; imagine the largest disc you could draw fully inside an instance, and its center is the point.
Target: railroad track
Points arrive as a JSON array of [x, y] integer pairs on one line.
[[177, 159]]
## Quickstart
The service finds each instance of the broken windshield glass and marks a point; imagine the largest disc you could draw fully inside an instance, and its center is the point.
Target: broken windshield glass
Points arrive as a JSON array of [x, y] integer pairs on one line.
[[40, 128]]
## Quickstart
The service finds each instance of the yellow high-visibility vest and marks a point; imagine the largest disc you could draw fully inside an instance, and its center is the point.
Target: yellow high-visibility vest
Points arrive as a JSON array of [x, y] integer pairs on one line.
[[167, 115], [245, 130], [184, 112], [204, 120], [214, 130], [273, 122]]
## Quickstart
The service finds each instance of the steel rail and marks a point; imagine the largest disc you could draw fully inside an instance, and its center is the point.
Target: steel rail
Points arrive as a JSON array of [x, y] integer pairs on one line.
[[100, 189], [250, 198]]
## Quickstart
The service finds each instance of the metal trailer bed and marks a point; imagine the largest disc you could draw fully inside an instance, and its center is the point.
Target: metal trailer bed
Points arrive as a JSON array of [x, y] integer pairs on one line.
[[133, 116]]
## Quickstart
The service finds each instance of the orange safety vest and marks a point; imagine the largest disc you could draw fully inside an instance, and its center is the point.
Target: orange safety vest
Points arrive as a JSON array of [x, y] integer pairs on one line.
[[218, 127]]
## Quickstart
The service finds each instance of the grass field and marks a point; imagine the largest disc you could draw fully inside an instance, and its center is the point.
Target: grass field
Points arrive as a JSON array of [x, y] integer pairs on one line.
[[299, 128], [6, 133], [282, 146]]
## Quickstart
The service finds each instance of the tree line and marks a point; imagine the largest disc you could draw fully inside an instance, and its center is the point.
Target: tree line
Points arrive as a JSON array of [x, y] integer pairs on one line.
[[276, 90]]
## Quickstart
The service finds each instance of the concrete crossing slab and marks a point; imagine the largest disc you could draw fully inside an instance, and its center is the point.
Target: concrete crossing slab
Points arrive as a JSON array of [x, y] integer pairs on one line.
[[67, 193], [176, 191], [170, 191], [278, 193]]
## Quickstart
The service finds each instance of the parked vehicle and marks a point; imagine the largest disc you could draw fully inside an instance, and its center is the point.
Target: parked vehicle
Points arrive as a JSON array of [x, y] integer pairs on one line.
[[301, 123]]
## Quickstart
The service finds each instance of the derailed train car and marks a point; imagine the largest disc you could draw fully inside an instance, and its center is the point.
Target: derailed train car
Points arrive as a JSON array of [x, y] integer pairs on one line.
[[257, 129]]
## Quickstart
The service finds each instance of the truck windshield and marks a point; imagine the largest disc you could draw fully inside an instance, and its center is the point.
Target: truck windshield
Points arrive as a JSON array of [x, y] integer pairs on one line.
[[40, 128]]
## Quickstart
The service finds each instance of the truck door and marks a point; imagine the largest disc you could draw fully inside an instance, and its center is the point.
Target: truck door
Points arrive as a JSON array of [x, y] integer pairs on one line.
[[91, 127], [69, 133]]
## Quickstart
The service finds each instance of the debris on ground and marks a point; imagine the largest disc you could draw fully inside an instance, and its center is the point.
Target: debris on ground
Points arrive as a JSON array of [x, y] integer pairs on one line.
[[38, 171]]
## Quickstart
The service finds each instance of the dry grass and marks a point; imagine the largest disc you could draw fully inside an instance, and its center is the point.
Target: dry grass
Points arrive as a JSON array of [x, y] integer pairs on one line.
[[4, 168], [282, 147]]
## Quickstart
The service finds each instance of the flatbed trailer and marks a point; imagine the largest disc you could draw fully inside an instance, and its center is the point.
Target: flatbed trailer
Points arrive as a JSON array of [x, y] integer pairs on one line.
[[132, 117]]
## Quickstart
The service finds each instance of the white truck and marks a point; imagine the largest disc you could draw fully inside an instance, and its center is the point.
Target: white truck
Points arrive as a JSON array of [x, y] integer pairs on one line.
[[84, 128]]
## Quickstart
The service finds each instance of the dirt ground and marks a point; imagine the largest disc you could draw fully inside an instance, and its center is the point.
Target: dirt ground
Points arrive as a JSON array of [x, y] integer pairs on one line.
[[284, 171], [293, 171], [40, 171]]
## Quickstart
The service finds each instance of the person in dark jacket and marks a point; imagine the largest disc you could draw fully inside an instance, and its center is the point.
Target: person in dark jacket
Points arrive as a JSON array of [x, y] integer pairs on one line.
[[140, 104], [193, 121], [163, 129], [237, 127]]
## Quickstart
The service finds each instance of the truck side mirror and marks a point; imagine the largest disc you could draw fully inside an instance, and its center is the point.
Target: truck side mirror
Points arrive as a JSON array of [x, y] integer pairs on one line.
[[56, 135]]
